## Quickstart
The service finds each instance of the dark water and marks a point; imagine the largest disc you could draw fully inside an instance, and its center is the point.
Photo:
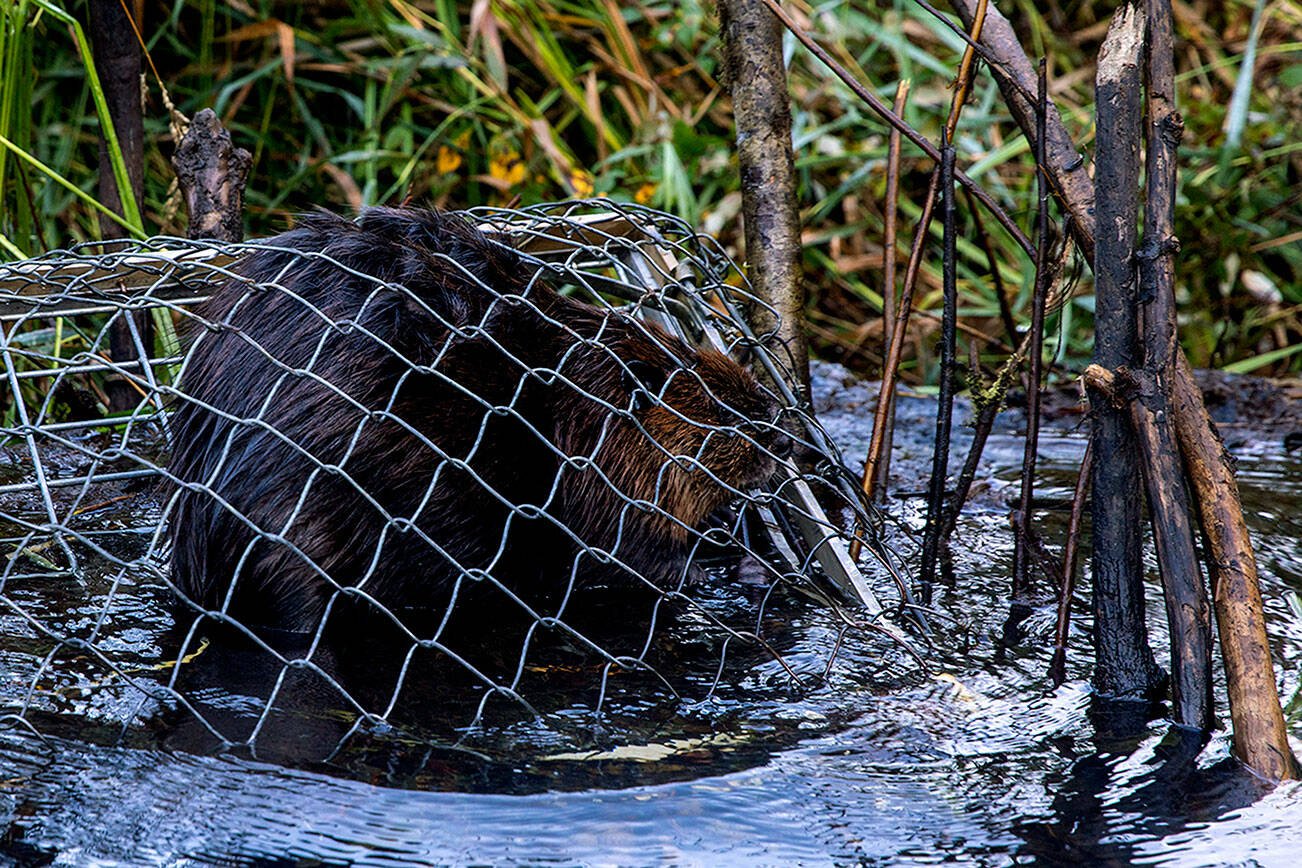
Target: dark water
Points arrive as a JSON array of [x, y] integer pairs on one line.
[[980, 762]]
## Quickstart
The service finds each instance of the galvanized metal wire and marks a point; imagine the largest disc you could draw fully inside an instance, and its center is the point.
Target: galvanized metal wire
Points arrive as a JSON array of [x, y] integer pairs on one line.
[[85, 504]]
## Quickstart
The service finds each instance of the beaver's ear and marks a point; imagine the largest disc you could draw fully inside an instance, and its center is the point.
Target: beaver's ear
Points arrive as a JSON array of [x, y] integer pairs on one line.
[[644, 382]]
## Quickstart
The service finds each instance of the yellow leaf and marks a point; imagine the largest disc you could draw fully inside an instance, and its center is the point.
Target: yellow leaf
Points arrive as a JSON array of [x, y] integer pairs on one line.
[[448, 160], [581, 182], [507, 167]]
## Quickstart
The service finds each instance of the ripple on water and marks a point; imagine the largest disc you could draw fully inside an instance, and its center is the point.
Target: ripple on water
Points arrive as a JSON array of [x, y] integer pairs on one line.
[[985, 763]]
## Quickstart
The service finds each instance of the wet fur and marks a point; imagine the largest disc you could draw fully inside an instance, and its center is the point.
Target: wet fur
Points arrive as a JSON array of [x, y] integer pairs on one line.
[[402, 518]]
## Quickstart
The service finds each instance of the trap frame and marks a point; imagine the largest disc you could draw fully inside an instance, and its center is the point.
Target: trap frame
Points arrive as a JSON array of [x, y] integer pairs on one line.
[[77, 487]]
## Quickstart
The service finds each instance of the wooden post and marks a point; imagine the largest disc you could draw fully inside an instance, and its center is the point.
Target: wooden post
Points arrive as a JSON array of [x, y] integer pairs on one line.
[[1124, 664], [116, 52]]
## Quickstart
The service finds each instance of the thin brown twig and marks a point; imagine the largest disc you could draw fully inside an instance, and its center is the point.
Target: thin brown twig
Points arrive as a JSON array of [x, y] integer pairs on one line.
[[1021, 549], [884, 413], [875, 485], [1058, 666]]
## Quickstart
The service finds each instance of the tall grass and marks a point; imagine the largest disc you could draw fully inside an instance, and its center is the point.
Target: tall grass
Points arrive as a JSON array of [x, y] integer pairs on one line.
[[348, 103]]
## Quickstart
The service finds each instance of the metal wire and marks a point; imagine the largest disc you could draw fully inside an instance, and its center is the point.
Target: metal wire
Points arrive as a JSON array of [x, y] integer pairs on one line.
[[86, 495]]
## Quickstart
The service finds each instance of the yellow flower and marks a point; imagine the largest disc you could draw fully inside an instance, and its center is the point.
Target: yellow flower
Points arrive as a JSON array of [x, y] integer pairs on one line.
[[507, 167], [581, 182], [448, 160], [644, 194]]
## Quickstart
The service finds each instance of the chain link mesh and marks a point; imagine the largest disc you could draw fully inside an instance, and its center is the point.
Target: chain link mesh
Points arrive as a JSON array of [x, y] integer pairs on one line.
[[515, 464]]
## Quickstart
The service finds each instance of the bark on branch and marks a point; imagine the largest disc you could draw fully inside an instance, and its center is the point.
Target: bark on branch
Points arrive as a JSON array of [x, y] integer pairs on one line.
[[1168, 497], [761, 108], [1124, 664]]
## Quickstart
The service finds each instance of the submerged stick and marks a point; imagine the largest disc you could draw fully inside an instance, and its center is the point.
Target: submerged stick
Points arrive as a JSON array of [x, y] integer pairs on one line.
[[1058, 665], [1260, 735], [980, 434]]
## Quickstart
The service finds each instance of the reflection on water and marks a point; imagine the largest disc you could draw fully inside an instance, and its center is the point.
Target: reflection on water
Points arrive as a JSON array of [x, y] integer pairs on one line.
[[982, 764]]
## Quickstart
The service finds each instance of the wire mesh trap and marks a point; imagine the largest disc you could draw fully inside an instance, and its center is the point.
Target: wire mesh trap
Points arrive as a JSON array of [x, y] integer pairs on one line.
[[356, 456]]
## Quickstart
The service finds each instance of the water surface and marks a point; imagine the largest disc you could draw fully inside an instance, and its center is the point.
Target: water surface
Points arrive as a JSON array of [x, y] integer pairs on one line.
[[979, 762]]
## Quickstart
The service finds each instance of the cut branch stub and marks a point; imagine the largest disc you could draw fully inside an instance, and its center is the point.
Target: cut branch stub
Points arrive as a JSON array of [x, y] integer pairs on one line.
[[212, 173]]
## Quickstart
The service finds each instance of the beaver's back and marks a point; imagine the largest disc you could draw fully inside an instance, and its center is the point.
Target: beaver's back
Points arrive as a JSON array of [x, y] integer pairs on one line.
[[393, 405]]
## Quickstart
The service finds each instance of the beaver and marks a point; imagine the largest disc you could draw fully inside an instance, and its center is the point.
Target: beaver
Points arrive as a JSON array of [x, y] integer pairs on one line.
[[399, 411]]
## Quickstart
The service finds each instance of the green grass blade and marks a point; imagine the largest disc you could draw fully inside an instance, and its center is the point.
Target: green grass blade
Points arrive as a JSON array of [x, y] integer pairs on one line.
[[71, 187]]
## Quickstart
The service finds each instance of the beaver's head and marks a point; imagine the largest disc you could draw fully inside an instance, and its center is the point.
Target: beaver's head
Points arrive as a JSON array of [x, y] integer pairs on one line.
[[667, 435]]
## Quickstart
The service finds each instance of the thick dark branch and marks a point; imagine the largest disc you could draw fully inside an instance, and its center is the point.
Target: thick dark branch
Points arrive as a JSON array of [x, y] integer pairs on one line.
[[1124, 662], [945, 404], [117, 59], [1187, 608], [1016, 79]]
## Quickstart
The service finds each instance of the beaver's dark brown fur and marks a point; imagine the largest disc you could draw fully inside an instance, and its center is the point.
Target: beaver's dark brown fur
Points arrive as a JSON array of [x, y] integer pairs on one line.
[[379, 420]]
